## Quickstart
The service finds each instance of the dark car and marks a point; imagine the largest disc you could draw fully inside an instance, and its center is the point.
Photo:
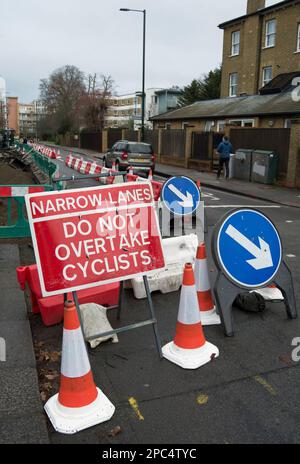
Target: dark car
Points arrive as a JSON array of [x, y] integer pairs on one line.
[[125, 154]]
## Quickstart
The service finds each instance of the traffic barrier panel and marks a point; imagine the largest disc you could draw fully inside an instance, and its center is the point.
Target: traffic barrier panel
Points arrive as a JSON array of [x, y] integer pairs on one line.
[[17, 225], [177, 251], [52, 308], [88, 168], [207, 307], [189, 350], [79, 403]]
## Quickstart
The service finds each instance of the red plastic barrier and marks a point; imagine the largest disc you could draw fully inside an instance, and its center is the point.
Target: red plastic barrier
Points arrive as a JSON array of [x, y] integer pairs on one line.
[[88, 168], [52, 308], [131, 177]]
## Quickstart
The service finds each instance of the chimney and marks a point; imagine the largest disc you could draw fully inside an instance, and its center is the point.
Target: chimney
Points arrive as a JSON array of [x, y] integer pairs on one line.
[[255, 5]]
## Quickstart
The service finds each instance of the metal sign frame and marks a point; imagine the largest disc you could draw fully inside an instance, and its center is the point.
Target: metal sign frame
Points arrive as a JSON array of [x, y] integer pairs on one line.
[[227, 289]]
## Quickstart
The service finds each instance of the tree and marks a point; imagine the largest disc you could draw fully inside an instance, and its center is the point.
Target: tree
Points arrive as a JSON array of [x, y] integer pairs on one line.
[[97, 99], [208, 87], [211, 84], [190, 94], [62, 94]]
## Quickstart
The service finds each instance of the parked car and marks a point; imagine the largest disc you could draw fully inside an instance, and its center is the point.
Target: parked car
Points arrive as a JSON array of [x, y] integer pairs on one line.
[[125, 154]]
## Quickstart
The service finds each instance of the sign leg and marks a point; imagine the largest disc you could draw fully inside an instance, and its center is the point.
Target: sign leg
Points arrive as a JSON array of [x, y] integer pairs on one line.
[[225, 293], [121, 296], [78, 312], [284, 282], [152, 313]]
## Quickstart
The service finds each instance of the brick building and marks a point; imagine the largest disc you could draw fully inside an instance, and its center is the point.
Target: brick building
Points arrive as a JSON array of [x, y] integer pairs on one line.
[[259, 46]]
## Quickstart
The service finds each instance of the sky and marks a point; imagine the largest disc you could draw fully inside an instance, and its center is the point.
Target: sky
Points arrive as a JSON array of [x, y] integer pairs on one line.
[[182, 40]]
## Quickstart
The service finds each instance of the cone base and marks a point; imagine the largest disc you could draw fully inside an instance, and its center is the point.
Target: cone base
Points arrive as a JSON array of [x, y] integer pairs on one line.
[[210, 318], [73, 420], [190, 359], [270, 294]]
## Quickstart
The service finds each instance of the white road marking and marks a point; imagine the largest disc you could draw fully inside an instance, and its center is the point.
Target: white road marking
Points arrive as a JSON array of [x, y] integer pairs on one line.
[[243, 206], [289, 222], [291, 256]]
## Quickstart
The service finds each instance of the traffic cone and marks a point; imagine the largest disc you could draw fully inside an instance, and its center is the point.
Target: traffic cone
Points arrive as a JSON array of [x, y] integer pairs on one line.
[[150, 176], [131, 170], [113, 168], [207, 308], [79, 403], [270, 293], [189, 350]]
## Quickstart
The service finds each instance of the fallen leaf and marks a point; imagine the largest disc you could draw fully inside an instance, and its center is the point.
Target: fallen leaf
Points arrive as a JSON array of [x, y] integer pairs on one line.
[[52, 376], [115, 431], [43, 396]]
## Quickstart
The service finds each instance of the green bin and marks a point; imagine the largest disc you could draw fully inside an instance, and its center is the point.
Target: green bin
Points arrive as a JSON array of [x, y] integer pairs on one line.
[[264, 166]]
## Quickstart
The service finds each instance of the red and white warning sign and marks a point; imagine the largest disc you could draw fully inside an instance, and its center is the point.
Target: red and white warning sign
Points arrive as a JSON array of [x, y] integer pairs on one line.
[[86, 237]]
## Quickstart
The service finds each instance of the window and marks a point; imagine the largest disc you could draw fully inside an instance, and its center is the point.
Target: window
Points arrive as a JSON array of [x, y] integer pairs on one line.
[[233, 84], [168, 126], [242, 122], [221, 126], [270, 33], [267, 75], [184, 125], [208, 126], [298, 38], [235, 43]]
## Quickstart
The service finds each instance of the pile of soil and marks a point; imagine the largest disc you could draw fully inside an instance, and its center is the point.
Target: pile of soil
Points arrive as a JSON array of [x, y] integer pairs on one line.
[[12, 173]]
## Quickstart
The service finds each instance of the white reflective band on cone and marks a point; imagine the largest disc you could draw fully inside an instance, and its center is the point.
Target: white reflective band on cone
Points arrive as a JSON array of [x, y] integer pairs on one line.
[[75, 361], [19, 191], [188, 307], [201, 276]]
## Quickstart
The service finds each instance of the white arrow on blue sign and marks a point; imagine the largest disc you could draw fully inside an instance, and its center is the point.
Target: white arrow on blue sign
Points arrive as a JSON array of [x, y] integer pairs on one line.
[[181, 196], [249, 248]]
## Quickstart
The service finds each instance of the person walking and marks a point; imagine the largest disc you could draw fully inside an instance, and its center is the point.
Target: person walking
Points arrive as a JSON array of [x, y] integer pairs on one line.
[[224, 150]]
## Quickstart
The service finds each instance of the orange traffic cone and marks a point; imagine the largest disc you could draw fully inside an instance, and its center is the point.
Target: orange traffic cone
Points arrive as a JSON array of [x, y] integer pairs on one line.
[[271, 293], [131, 170], [79, 403], [190, 350], [207, 308], [150, 175]]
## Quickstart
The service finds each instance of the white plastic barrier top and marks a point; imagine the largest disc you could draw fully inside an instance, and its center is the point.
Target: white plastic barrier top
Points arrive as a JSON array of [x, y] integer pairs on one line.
[[178, 251]]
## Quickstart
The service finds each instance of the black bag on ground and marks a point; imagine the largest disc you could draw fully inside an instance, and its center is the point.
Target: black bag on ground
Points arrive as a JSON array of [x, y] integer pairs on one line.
[[250, 302]]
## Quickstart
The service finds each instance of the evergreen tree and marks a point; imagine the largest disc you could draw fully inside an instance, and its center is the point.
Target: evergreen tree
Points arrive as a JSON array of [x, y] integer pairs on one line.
[[208, 87]]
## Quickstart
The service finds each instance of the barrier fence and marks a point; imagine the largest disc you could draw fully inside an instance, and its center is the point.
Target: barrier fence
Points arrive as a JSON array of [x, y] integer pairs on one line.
[[14, 223], [13, 215]]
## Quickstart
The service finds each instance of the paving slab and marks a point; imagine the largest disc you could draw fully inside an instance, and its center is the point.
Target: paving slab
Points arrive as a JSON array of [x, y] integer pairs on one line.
[[21, 411]]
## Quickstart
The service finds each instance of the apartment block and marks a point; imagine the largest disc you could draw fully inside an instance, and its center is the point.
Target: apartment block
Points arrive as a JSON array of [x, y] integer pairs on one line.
[[259, 46]]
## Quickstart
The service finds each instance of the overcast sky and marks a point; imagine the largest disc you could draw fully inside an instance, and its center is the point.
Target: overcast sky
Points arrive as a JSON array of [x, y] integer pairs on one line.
[[183, 40]]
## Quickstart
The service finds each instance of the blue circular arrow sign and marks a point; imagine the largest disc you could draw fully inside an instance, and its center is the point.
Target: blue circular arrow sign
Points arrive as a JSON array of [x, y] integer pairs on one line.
[[181, 196], [249, 248]]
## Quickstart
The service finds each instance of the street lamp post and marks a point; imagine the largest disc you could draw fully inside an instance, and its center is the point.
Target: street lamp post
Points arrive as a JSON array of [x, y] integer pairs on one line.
[[144, 66]]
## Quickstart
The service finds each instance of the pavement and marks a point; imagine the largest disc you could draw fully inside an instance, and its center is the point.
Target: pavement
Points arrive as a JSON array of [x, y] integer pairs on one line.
[[248, 395], [21, 413], [270, 193]]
